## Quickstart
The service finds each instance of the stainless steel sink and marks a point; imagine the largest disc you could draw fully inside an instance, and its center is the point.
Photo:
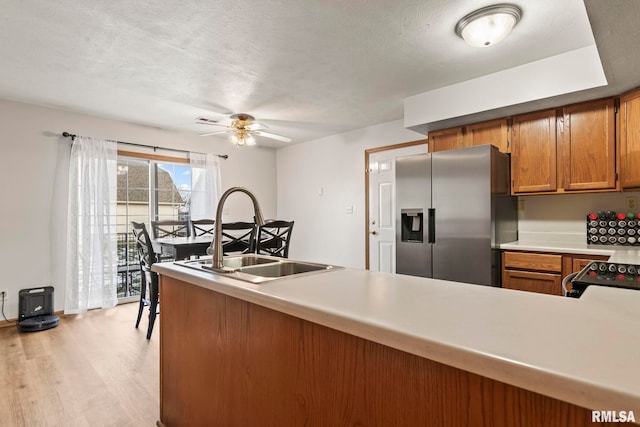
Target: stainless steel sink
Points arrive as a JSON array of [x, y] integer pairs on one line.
[[284, 268], [258, 268], [236, 262]]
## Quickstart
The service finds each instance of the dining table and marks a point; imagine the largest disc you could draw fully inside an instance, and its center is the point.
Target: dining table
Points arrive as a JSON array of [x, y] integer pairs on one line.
[[180, 248]]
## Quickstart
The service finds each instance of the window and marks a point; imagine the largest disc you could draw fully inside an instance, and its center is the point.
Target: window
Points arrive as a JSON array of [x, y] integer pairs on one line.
[[172, 190]]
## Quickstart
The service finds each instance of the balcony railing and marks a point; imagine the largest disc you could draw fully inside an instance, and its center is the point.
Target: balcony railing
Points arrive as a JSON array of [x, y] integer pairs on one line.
[[128, 266]]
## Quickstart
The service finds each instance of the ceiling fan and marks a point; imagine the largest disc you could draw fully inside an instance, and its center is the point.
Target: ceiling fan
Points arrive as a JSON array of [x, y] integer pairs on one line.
[[241, 129]]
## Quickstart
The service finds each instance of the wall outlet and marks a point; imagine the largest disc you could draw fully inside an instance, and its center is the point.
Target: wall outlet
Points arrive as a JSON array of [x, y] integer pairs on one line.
[[631, 203], [4, 294]]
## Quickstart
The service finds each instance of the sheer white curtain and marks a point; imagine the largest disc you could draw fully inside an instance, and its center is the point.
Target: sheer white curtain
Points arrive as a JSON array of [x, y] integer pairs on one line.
[[92, 263], [206, 187]]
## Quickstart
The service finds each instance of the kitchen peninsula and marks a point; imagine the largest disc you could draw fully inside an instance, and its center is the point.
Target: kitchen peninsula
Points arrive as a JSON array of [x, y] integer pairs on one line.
[[352, 347]]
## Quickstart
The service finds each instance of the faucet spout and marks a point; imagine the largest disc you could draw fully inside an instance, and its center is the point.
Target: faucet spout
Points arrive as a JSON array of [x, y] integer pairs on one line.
[[217, 240]]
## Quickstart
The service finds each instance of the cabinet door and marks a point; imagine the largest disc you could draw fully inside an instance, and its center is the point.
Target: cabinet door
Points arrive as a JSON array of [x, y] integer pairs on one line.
[[544, 283], [533, 152], [495, 132], [587, 158], [630, 140], [581, 261], [446, 139]]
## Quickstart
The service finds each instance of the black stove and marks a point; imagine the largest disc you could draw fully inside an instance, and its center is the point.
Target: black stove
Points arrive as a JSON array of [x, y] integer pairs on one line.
[[611, 274]]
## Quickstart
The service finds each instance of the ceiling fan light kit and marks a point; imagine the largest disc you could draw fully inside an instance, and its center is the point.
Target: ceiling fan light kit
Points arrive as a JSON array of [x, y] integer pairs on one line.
[[241, 129], [489, 25], [241, 138]]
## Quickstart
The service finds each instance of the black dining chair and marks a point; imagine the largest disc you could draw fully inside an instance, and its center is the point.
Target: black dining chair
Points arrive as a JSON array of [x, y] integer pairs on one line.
[[149, 292], [203, 227], [273, 238], [170, 228], [238, 237]]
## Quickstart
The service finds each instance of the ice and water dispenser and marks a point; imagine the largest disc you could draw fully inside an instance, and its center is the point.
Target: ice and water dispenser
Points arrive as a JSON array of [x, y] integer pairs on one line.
[[412, 223]]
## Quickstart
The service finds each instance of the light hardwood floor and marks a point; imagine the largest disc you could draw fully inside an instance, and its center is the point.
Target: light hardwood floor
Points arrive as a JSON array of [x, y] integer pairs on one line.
[[94, 369]]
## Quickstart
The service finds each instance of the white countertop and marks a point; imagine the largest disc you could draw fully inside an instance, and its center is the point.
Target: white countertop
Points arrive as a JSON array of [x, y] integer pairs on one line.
[[584, 351]]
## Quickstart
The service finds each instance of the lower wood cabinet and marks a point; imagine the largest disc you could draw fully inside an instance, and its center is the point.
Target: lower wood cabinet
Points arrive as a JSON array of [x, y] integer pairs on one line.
[[541, 272], [579, 262], [542, 283], [533, 272]]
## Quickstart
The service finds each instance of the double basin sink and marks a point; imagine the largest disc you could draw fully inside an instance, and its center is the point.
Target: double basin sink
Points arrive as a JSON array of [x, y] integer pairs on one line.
[[258, 268]]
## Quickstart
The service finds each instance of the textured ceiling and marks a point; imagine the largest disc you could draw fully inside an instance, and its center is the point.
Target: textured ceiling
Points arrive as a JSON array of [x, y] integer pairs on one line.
[[305, 68]]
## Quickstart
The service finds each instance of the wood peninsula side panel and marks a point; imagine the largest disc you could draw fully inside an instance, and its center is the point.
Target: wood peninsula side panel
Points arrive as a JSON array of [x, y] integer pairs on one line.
[[228, 362]]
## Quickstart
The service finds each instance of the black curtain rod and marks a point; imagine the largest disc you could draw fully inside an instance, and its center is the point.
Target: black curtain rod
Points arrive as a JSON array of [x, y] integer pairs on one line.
[[73, 136]]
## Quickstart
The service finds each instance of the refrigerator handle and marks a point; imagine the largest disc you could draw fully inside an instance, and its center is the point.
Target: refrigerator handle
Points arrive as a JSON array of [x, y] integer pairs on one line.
[[432, 225]]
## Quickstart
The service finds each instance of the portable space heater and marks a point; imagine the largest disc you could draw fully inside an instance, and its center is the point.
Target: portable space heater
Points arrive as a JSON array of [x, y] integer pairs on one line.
[[36, 310]]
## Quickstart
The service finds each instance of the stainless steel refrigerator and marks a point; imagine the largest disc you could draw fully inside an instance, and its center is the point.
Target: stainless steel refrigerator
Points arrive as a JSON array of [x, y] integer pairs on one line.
[[453, 209]]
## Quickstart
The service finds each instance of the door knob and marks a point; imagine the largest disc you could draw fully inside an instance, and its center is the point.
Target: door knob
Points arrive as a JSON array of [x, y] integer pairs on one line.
[[374, 232]]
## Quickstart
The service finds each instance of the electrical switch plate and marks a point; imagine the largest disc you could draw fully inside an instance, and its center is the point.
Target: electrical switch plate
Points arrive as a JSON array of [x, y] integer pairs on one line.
[[349, 210], [631, 203]]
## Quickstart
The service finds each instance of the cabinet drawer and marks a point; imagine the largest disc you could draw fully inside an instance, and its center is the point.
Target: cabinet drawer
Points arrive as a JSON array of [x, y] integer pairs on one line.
[[533, 261], [543, 283]]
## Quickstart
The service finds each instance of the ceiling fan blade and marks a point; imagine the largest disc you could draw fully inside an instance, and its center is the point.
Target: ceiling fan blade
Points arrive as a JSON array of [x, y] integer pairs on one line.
[[273, 136], [206, 121], [257, 126], [215, 133]]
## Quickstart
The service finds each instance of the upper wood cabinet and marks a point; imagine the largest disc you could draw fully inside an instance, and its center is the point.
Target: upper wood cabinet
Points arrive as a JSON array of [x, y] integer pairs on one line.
[[586, 160], [495, 132], [446, 139], [533, 152], [630, 140], [569, 150]]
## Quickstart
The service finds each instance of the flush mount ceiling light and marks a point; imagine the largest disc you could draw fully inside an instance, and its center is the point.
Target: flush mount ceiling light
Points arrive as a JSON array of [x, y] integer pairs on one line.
[[489, 25]]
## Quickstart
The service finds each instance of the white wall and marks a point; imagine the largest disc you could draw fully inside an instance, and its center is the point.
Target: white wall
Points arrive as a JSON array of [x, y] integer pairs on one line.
[[562, 217], [323, 231], [29, 138]]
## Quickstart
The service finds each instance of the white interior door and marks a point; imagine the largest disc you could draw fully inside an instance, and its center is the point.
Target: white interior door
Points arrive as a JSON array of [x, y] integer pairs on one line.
[[382, 220]]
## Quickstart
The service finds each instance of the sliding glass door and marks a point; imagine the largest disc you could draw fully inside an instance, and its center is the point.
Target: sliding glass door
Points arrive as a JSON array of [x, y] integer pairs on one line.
[[133, 205], [147, 190]]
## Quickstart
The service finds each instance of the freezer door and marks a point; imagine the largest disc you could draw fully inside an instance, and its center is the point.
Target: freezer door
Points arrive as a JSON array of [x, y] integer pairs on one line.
[[461, 189], [413, 200]]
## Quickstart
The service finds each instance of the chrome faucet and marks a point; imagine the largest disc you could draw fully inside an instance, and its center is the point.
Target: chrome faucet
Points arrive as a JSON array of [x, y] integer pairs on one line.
[[217, 240]]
